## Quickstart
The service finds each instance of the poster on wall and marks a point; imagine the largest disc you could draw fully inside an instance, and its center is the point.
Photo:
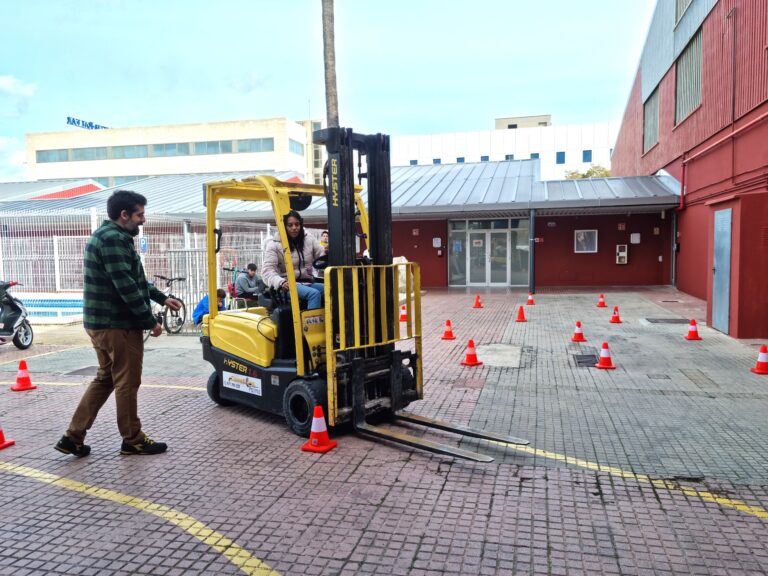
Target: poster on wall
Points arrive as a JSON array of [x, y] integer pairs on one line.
[[584, 241]]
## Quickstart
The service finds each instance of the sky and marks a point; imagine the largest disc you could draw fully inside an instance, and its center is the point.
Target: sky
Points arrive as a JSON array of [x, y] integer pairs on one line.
[[403, 66]]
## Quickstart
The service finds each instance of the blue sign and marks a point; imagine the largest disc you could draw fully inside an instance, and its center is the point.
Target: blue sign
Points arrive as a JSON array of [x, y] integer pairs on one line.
[[85, 124], [143, 245]]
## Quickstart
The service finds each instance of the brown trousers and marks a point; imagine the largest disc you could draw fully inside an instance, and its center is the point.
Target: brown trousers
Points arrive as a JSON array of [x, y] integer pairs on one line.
[[121, 354]]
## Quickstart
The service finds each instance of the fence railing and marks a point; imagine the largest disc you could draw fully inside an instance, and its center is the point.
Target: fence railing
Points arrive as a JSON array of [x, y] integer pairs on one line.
[[45, 251]]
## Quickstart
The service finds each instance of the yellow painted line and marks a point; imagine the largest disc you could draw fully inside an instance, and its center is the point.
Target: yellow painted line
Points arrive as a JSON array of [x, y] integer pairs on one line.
[[28, 358], [644, 478], [237, 555], [171, 386]]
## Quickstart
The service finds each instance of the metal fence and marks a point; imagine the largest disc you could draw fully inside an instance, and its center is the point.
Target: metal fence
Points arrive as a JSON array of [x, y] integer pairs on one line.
[[45, 252]]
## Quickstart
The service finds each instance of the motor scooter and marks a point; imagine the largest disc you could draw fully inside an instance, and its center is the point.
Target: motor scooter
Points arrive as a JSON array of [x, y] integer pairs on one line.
[[13, 319]]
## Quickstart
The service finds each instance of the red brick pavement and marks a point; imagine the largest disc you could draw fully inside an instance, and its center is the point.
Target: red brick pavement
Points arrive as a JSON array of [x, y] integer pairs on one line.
[[364, 508]]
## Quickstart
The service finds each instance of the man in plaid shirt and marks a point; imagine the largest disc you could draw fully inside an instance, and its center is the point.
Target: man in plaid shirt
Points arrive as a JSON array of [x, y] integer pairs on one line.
[[116, 311]]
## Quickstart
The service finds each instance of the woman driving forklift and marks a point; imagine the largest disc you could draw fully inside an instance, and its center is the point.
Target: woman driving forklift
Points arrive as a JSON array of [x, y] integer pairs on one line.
[[305, 249]]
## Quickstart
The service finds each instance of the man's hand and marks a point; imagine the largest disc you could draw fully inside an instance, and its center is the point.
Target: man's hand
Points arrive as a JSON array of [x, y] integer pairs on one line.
[[157, 330], [285, 286], [173, 304]]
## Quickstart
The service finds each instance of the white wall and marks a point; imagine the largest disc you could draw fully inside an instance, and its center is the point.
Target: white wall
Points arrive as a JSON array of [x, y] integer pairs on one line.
[[496, 144]]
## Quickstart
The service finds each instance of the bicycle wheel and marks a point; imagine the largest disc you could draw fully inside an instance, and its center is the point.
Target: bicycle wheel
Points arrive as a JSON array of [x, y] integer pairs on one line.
[[174, 319]]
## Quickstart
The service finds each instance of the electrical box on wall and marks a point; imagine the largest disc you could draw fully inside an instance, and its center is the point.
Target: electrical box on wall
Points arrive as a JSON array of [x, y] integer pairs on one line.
[[622, 254]]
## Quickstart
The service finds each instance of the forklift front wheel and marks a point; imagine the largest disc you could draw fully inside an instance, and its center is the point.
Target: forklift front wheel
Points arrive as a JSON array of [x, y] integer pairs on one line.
[[214, 390], [299, 403]]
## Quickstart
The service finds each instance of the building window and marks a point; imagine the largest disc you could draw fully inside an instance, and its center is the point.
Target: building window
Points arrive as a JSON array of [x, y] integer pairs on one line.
[[584, 241], [214, 147], [99, 153], [256, 145], [586, 155], [435, 160], [680, 7], [509, 157], [543, 123], [414, 162], [483, 158], [534, 155], [688, 79], [460, 160], [120, 180], [316, 126], [560, 158], [295, 147], [122, 152], [651, 120], [103, 180], [43, 156], [177, 149], [511, 126]]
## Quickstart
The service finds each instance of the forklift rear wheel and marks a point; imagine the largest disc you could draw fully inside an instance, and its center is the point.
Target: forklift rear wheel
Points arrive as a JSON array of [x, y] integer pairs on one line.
[[214, 390], [299, 403]]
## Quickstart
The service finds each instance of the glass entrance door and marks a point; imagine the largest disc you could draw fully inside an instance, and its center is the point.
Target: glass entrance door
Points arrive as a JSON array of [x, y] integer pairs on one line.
[[488, 263]]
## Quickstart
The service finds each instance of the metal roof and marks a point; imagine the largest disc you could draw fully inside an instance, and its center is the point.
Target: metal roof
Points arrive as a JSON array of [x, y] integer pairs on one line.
[[10, 191], [483, 189]]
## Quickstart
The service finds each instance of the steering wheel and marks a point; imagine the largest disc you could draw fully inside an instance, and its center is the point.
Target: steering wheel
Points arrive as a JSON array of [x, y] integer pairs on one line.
[[321, 263]]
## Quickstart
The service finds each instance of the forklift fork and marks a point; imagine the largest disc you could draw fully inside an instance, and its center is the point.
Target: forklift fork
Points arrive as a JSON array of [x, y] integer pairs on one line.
[[363, 427]]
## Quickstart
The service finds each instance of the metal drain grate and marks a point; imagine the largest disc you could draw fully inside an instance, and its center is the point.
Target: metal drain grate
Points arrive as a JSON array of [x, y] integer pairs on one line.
[[659, 377], [667, 320], [585, 360]]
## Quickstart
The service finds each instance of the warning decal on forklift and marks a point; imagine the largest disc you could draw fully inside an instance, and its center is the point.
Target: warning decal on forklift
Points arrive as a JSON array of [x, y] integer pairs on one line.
[[241, 383]]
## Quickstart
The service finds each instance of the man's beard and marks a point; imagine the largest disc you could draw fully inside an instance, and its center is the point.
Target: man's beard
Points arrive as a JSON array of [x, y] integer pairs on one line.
[[134, 231]]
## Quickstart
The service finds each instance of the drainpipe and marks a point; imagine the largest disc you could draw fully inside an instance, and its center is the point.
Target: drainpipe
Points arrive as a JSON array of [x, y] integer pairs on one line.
[[531, 251], [682, 184]]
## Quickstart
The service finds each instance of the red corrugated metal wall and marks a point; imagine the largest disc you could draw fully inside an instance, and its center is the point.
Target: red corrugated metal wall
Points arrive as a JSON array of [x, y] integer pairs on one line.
[[558, 265], [418, 248], [750, 23]]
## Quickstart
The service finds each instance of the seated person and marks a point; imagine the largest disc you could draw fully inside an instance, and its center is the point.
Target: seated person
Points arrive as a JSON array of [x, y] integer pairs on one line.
[[203, 308], [305, 249], [324, 240], [249, 284]]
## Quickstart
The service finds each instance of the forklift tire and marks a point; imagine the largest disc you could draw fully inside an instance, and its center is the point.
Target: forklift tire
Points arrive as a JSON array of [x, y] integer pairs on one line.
[[214, 391], [299, 403]]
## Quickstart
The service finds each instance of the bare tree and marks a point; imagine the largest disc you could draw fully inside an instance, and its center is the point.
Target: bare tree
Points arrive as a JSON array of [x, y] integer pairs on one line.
[[329, 57]]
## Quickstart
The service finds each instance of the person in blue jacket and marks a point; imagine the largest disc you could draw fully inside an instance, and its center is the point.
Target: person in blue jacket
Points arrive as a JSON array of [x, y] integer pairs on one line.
[[203, 308]]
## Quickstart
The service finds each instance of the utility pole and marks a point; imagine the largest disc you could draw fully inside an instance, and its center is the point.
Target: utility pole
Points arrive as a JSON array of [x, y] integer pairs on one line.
[[329, 58]]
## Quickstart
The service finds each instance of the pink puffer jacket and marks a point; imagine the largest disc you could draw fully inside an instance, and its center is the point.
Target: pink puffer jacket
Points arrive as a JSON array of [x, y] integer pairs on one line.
[[273, 267]]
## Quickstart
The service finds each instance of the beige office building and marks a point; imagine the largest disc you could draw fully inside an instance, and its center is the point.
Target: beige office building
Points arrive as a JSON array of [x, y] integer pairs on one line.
[[115, 156]]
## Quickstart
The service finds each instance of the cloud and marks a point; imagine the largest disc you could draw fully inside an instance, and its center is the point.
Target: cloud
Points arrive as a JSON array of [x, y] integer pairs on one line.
[[12, 160], [249, 84], [15, 96]]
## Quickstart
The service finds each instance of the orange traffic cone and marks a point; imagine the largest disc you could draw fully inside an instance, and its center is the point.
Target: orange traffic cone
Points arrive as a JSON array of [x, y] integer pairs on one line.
[[471, 359], [3, 442], [762, 361], [403, 314], [578, 333], [693, 332], [478, 304], [23, 381], [318, 437], [530, 300], [605, 358], [601, 302], [448, 334], [520, 315], [615, 319]]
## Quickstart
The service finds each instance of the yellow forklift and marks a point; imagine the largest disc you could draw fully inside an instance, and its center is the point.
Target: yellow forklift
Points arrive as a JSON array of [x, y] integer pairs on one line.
[[352, 357]]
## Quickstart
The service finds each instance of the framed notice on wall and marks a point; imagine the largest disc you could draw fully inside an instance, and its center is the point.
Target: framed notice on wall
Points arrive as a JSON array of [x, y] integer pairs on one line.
[[584, 241]]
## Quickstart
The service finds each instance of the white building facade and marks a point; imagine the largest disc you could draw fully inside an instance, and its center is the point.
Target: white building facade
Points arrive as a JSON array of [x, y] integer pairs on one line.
[[559, 148], [118, 155]]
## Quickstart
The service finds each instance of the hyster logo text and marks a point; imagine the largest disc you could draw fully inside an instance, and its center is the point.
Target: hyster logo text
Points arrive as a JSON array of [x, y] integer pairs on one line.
[[335, 182], [235, 365]]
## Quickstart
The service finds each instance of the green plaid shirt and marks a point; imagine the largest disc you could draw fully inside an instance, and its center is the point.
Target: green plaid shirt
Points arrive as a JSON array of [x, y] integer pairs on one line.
[[116, 293]]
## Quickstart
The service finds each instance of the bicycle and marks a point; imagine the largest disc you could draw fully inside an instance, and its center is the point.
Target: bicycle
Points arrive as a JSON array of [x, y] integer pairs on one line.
[[172, 320]]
